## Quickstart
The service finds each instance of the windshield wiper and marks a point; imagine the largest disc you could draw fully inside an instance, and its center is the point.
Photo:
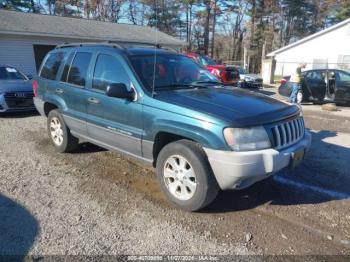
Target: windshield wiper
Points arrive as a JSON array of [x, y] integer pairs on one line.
[[207, 82], [178, 86]]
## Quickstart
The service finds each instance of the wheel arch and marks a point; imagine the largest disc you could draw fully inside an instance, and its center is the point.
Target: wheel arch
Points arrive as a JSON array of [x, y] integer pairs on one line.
[[202, 137]]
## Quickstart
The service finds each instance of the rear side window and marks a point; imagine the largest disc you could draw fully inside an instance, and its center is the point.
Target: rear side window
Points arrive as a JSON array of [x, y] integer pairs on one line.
[[51, 66], [78, 70], [109, 70], [316, 76]]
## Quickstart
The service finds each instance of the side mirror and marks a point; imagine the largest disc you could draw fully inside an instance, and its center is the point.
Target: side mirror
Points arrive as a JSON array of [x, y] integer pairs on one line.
[[30, 77], [119, 90]]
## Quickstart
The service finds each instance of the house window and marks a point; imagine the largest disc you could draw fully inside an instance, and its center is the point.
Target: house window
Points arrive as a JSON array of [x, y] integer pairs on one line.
[[344, 62]]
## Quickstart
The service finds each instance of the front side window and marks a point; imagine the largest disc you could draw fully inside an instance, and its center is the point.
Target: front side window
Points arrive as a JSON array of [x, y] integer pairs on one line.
[[11, 73], [109, 70], [79, 68], [51, 66], [165, 71]]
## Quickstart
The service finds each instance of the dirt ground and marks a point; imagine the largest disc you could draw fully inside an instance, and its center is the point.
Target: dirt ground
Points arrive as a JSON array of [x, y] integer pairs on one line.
[[96, 202]]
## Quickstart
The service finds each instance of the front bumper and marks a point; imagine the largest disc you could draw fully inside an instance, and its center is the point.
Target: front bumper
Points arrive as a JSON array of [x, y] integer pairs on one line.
[[238, 170], [250, 84]]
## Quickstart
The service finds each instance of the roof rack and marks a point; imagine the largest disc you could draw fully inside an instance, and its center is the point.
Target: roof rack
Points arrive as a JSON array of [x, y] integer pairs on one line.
[[115, 44], [66, 45]]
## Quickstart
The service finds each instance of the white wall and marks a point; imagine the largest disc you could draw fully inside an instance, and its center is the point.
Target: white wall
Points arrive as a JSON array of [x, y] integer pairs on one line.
[[18, 51], [328, 46]]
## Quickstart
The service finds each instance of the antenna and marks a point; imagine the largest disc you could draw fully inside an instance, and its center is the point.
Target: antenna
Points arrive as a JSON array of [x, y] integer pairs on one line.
[[155, 50]]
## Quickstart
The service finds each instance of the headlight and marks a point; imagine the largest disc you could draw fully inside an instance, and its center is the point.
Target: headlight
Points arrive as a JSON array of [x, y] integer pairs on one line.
[[247, 139]]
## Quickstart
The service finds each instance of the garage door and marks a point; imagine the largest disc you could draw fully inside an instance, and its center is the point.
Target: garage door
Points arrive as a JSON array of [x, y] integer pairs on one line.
[[19, 54]]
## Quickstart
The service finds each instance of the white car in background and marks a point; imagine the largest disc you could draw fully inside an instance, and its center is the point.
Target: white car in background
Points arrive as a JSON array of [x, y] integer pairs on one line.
[[247, 80]]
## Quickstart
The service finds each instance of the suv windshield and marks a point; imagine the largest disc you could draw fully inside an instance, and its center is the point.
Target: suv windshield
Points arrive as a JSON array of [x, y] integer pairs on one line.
[[242, 71], [173, 71], [207, 61], [10, 73]]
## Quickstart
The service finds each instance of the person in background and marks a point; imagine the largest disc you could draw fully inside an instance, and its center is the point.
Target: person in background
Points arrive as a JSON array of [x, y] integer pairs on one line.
[[296, 80]]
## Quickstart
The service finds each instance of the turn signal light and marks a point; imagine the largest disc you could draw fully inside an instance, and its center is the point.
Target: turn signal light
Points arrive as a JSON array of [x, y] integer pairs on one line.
[[35, 87]]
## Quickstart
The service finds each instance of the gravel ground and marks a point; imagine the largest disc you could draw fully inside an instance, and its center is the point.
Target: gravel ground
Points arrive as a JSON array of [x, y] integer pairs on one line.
[[95, 202]]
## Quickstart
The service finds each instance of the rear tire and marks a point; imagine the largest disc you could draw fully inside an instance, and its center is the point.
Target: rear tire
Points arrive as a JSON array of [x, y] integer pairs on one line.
[[185, 175], [59, 133]]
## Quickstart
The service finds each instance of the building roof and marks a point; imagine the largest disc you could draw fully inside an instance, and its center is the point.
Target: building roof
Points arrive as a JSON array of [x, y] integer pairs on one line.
[[29, 24], [325, 31]]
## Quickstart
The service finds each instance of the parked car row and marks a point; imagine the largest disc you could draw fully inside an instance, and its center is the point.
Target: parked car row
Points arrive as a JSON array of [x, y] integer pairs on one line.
[[16, 88], [228, 74]]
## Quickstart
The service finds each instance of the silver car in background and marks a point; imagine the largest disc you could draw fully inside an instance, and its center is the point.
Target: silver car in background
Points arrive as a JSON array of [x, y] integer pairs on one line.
[[16, 92]]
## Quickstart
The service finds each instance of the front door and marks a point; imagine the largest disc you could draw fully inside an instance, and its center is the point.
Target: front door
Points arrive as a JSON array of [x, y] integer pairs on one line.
[[114, 122], [72, 88], [317, 84]]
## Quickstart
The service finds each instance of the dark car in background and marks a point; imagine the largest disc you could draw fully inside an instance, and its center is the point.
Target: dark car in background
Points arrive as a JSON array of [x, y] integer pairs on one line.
[[321, 85], [16, 93]]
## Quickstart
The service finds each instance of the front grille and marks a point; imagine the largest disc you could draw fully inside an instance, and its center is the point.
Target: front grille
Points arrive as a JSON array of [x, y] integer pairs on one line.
[[19, 99], [19, 95], [288, 133]]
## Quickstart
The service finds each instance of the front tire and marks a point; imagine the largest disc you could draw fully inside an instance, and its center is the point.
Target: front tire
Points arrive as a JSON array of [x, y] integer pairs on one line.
[[185, 175], [60, 134]]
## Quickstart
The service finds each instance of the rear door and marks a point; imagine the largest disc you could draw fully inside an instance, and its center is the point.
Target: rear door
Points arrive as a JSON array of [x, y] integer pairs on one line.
[[342, 90], [72, 89], [315, 82], [115, 122], [49, 73]]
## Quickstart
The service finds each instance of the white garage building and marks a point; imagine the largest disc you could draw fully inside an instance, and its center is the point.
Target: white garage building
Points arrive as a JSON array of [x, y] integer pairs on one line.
[[25, 38], [329, 48]]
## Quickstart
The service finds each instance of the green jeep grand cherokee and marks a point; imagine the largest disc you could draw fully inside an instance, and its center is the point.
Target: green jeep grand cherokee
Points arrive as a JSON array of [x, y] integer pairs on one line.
[[162, 108]]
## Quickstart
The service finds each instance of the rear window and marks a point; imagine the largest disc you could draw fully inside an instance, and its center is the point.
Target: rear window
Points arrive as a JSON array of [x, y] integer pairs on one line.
[[79, 68], [51, 66]]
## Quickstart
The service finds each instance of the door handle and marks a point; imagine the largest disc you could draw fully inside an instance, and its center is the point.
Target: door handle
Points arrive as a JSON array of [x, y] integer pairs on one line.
[[59, 91], [93, 100]]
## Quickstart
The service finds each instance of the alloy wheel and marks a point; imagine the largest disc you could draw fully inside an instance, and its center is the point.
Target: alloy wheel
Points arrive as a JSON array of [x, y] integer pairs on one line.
[[179, 177], [56, 131]]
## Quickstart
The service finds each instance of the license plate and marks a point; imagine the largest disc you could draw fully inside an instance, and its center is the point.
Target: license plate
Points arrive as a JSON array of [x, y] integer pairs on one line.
[[297, 158]]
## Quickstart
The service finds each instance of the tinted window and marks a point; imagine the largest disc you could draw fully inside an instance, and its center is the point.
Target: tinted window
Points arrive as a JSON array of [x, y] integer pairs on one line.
[[108, 70], [78, 70], [66, 67], [343, 77], [51, 66], [316, 76], [10, 73]]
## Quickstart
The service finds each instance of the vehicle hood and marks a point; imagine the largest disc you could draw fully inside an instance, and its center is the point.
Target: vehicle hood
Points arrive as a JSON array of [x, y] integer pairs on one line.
[[238, 107], [15, 86], [252, 76]]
